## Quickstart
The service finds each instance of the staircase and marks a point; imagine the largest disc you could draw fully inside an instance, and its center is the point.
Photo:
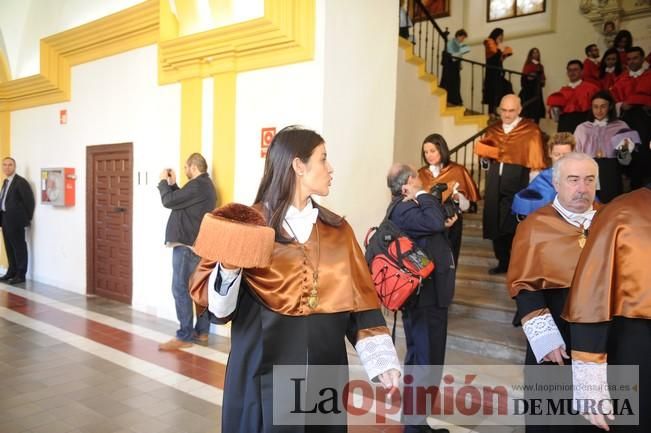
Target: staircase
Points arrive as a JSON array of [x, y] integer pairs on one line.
[[482, 310]]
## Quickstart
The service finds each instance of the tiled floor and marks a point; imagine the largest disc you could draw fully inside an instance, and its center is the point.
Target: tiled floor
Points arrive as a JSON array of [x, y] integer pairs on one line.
[[70, 363]]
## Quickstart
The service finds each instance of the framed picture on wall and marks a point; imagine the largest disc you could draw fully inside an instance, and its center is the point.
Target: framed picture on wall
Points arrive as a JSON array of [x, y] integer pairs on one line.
[[497, 10], [436, 9]]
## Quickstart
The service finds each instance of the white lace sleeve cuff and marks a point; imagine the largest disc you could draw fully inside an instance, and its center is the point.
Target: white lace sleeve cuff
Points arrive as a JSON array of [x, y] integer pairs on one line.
[[590, 383], [222, 300], [378, 355], [464, 203], [543, 335]]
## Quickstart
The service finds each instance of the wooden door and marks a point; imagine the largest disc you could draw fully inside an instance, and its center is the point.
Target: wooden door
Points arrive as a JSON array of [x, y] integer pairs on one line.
[[109, 205]]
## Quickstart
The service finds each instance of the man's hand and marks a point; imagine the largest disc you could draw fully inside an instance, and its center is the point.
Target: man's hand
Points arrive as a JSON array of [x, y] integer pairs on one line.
[[450, 221], [599, 420], [557, 356], [409, 191], [168, 175], [390, 380]]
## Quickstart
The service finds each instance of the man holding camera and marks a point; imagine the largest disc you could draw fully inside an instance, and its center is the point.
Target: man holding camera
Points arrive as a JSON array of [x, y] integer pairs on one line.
[[188, 204], [510, 148], [425, 316]]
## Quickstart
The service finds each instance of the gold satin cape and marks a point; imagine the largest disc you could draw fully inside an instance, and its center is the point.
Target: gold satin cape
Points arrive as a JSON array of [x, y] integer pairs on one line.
[[522, 146], [344, 282], [451, 174], [544, 253], [613, 276]]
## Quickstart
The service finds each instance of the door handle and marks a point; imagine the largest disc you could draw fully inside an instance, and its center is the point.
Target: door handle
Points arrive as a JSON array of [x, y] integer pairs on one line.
[[119, 209]]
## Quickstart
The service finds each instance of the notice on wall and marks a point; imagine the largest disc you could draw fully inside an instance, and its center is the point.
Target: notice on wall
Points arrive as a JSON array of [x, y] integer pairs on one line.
[[266, 137]]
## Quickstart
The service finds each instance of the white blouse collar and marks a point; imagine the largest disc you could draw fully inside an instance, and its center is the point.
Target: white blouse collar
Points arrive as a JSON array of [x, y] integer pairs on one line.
[[299, 223]]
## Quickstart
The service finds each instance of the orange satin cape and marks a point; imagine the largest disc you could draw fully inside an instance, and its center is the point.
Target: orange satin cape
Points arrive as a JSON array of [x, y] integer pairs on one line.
[[451, 174], [613, 276], [344, 282], [545, 251], [522, 146], [491, 48]]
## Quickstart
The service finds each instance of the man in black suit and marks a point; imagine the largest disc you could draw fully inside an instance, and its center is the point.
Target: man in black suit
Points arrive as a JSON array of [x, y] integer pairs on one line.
[[421, 216], [16, 211]]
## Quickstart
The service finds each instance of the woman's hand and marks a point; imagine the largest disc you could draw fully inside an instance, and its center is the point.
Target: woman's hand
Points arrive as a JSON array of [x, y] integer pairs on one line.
[[450, 221], [390, 379]]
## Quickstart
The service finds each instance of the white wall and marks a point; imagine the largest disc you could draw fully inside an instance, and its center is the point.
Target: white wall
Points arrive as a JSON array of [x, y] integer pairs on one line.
[[418, 115], [109, 105], [276, 97], [359, 106], [24, 22]]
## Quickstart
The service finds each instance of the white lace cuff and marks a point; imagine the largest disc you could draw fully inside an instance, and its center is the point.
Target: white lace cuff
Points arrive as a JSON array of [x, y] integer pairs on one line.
[[378, 355], [464, 203], [543, 335], [590, 383], [222, 300]]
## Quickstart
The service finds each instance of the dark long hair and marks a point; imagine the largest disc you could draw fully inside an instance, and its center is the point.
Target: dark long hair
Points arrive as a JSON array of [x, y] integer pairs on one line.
[[440, 143], [530, 55], [621, 35], [618, 62], [605, 95], [278, 184], [496, 33]]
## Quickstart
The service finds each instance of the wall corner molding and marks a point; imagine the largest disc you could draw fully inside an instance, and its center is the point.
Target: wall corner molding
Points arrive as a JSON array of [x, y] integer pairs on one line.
[[131, 28]]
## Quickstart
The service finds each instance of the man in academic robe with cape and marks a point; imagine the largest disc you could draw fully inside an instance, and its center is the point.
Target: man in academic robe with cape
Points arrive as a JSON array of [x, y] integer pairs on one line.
[[546, 248], [512, 148], [609, 305]]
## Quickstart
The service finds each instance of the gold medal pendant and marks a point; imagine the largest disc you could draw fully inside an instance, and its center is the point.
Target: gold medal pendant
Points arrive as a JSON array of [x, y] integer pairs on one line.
[[313, 299], [582, 239]]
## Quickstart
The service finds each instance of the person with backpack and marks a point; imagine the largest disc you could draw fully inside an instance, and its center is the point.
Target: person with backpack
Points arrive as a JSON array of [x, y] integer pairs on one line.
[[422, 217]]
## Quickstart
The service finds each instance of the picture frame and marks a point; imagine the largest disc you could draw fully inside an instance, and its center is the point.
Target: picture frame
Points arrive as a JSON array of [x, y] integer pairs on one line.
[[436, 9]]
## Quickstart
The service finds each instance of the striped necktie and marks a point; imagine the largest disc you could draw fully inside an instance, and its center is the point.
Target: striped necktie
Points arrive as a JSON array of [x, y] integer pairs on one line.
[[3, 193]]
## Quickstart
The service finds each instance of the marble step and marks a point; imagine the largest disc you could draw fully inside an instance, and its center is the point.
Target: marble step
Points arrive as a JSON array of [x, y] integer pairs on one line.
[[479, 273], [474, 340], [484, 261], [486, 338], [477, 297]]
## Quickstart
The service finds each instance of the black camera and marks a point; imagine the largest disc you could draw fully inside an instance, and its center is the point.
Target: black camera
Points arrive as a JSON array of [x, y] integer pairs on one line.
[[449, 206]]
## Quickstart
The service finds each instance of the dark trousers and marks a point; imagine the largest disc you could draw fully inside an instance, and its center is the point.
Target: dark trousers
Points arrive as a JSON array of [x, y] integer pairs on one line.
[[16, 248], [184, 262], [426, 330], [502, 249]]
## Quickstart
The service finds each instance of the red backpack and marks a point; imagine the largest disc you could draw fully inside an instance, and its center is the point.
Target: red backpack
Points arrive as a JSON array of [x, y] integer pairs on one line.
[[396, 263]]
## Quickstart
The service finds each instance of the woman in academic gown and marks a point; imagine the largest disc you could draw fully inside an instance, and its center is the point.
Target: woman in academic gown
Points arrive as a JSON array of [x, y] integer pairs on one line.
[[461, 188], [495, 85], [600, 137], [532, 82], [298, 311]]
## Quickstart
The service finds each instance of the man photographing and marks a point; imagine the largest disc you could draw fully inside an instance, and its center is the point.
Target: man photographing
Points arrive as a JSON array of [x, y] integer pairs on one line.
[[188, 204]]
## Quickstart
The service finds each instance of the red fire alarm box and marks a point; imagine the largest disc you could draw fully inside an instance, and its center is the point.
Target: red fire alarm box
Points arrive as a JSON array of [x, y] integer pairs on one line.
[[58, 186]]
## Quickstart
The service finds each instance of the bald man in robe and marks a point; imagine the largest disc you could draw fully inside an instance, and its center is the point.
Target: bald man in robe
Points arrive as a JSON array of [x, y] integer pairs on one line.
[[513, 150]]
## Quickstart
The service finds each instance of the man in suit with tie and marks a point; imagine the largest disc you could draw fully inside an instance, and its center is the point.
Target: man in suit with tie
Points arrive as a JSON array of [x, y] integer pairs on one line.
[[16, 211]]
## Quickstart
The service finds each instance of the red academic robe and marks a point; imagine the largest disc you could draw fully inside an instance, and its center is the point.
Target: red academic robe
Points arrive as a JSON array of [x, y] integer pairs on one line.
[[591, 72], [608, 80], [573, 100], [633, 91]]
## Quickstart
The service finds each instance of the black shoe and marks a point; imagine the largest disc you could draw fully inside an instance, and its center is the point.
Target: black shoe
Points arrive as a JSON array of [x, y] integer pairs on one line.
[[498, 270], [16, 280], [6, 277]]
